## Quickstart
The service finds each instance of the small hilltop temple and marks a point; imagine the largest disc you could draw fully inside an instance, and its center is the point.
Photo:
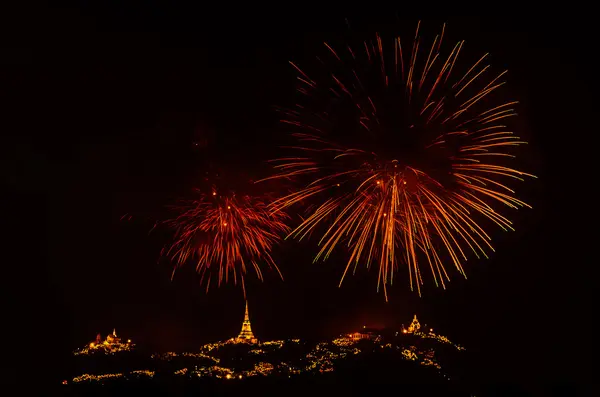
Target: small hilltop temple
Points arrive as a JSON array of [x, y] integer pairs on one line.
[[414, 326], [111, 344], [246, 335]]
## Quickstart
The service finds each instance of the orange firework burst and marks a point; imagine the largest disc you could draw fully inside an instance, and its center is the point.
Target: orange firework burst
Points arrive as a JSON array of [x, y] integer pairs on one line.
[[428, 164], [226, 233]]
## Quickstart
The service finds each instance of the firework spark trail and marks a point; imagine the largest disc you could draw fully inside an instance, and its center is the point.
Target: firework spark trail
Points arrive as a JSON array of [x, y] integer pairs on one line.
[[388, 210], [225, 235]]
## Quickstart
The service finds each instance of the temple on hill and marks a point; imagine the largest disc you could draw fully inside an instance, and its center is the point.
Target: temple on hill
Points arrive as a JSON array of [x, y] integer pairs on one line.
[[414, 326], [365, 333], [113, 338], [246, 335], [111, 344]]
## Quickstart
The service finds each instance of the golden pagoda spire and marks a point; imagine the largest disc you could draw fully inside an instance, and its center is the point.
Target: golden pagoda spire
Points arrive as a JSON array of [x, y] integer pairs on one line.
[[246, 333]]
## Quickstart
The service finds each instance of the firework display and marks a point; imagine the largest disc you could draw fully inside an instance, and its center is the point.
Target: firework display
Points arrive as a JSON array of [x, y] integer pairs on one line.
[[403, 154], [225, 235]]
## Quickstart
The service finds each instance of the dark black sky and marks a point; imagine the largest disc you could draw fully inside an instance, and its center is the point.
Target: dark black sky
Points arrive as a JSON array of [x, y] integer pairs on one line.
[[101, 107]]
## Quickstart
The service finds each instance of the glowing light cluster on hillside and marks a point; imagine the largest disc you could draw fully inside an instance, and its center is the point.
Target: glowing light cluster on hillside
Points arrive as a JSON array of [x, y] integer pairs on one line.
[[111, 345]]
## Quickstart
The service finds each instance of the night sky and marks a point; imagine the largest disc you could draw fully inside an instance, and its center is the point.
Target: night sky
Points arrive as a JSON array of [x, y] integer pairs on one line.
[[101, 111]]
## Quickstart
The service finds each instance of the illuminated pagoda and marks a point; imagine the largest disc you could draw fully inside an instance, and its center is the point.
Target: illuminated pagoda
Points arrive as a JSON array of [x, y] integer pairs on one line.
[[111, 344], [414, 326], [113, 339], [246, 334]]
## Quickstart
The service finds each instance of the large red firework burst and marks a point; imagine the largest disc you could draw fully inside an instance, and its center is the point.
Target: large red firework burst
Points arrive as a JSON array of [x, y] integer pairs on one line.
[[406, 153], [225, 234]]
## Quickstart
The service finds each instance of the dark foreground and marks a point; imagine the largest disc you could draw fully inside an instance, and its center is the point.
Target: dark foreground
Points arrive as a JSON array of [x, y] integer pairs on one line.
[[306, 387]]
